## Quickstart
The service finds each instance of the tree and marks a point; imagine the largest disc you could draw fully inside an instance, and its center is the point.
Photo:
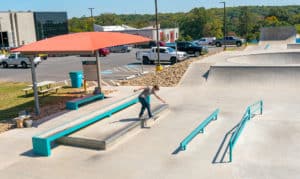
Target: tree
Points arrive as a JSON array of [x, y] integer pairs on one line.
[[297, 26], [192, 24], [213, 29], [80, 25], [271, 21], [245, 22], [280, 13], [108, 19]]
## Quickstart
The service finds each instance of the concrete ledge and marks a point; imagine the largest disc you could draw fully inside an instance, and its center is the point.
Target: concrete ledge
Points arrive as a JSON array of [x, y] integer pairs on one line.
[[92, 143]]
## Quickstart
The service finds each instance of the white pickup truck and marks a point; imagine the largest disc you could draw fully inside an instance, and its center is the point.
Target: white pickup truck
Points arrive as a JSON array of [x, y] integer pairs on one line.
[[2, 57], [166, 54], [17, 59]]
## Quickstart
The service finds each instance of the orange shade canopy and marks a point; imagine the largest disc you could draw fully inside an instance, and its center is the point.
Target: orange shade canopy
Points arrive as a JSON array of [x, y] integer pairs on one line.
[[82, 42]]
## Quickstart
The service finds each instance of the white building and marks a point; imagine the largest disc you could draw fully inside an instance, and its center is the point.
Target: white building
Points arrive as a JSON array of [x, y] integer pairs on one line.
[[17, 28], [166, 35], [20, 28]]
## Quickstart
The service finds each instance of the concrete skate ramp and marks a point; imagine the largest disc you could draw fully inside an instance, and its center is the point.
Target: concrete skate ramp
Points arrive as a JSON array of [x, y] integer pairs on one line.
[[268, 59], [277, 33], [254, 76]]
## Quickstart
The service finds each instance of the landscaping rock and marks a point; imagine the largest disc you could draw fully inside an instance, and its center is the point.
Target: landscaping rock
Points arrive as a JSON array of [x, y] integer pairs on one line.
[[169, 76]]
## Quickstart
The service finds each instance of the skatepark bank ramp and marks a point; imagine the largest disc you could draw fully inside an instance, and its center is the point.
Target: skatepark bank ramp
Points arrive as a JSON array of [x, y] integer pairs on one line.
[[280, 70], [277, 59]]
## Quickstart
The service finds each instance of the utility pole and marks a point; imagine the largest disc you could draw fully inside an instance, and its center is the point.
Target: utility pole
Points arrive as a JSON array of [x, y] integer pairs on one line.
[[224, 30], [92, 17], [158, 66]]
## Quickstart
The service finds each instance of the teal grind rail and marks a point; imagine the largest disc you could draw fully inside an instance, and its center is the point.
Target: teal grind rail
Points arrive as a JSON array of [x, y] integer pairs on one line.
[[251, 111], [199, 129]]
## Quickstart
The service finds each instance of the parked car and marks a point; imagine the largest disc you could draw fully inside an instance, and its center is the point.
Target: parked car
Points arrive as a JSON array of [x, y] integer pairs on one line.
[[205, 41], [17, 59], [120, 49], [166, 54], [104, 52], [230, 40], [190, 48]]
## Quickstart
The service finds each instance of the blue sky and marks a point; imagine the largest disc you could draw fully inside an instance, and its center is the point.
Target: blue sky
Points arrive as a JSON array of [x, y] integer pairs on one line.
[[79, 8]]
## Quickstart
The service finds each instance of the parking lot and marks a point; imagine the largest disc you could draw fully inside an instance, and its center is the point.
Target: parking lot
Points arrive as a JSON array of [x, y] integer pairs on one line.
[[113, 67]]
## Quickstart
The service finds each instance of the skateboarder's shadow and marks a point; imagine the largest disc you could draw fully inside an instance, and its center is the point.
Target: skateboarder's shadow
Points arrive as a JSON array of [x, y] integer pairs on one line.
[[127, 120]]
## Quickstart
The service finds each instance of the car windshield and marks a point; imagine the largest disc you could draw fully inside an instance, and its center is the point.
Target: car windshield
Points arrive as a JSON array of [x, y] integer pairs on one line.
[[171, 50], [194, 44]]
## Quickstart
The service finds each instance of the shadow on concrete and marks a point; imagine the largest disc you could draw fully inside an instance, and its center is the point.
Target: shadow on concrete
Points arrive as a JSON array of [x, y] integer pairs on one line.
[[127, 120], [224, 147], [176, 151], [31, 154], [205, 75]]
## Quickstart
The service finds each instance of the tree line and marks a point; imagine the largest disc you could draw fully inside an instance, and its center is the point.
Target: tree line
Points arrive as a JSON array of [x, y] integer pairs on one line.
[[242, 21]]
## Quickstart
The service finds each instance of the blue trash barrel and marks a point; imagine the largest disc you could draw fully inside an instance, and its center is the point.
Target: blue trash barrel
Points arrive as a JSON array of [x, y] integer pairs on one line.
[[76, 78]]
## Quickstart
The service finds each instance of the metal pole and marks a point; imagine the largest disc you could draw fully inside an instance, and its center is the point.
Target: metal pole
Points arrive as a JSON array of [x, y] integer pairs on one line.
[[92, 17], [98, 70], [2, 41], [158, 67], [224, 30], [34, 85], [142, 67], [246, 18], [176, 43]]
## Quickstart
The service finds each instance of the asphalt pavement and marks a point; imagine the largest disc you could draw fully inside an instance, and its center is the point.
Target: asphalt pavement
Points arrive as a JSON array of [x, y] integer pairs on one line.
[[115, 66]]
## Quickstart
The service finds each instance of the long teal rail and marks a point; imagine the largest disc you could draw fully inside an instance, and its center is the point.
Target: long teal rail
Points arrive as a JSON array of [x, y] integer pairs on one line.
[[199, 129], [250, 112], [42, 145]]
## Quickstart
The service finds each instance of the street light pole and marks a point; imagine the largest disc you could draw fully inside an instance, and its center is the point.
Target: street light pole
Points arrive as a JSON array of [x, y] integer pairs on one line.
[[224, 31], [158, 66], [92, 17]]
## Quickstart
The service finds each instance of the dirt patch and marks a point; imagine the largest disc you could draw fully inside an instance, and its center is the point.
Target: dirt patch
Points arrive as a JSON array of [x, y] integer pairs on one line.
[[49, 108]]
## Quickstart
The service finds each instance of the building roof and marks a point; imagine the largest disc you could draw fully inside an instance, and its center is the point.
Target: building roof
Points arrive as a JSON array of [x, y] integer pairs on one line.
[[113, 28]]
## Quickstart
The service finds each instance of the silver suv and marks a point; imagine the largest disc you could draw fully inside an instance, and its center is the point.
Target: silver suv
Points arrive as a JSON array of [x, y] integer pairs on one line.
[[120, 49]]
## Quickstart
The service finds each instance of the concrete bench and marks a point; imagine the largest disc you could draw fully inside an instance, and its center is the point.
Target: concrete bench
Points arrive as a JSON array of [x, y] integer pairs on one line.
[[75, 103], [42, 142], [45, 91]]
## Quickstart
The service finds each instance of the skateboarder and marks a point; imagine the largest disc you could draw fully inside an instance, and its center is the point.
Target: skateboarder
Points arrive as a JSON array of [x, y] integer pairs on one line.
[[144, 98]]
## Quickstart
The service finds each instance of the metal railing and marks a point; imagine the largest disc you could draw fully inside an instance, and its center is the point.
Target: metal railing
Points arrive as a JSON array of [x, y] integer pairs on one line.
[[250, 112], [199, 129]]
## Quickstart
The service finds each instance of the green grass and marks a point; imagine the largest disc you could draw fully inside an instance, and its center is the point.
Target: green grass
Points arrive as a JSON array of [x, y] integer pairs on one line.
[[13, 99]]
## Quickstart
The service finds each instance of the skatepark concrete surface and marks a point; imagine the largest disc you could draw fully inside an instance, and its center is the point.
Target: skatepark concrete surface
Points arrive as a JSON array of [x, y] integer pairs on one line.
[[267, 148]]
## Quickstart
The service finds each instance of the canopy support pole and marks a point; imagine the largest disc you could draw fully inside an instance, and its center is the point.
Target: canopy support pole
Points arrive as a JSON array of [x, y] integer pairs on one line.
[[98, 71], [34, 85]]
